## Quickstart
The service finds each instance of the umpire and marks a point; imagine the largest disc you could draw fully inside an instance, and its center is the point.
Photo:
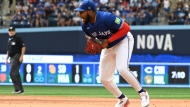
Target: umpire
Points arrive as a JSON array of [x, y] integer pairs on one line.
[[15, 50]]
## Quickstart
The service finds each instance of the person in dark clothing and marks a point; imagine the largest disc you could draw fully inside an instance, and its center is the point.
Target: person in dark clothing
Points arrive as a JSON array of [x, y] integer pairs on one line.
[[9, 7], [15, 51]]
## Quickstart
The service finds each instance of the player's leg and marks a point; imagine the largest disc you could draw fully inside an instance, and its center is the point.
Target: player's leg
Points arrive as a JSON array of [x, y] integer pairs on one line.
[[20, 83], [107, 68], [123, 54], [14, 74]]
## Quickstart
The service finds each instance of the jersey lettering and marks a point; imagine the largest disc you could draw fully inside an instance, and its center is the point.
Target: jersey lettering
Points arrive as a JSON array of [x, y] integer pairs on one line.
[[105, 33], [94, 34]]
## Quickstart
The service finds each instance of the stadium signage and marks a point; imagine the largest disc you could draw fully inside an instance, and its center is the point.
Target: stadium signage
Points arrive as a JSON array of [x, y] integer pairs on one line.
[[160, 42], [156, 74], [146, 41], [178, 74], [159, 74], [43, 58]]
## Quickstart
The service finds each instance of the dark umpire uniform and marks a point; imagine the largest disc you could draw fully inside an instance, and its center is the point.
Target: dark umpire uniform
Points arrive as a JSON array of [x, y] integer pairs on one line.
[[15, 51]]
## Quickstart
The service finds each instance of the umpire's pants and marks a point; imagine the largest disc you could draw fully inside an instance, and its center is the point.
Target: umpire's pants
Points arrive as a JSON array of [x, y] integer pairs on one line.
[[14, 72]]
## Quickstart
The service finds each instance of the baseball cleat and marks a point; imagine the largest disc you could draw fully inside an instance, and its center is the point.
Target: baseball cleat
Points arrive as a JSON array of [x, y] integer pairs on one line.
[[124, 102], [145, 100], [18, 92]]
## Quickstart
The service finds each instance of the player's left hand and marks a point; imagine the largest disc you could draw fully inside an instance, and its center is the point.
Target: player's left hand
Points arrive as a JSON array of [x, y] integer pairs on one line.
[[93, 47]]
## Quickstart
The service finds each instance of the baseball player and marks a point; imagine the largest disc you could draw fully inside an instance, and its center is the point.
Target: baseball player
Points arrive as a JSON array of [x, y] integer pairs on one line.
[[117, 49]]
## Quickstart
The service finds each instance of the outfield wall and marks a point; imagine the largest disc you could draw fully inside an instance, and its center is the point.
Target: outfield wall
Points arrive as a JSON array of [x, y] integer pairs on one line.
[[160, 58], [63, 70], [71, 40]]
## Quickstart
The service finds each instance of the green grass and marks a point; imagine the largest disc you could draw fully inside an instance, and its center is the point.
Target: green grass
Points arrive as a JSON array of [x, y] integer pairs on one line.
[[161, 93]]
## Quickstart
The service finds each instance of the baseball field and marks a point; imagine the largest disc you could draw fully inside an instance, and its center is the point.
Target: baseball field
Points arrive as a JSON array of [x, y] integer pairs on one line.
[[64, 96]]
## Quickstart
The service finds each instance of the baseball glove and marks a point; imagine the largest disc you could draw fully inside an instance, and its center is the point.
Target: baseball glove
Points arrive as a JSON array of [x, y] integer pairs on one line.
[[93, 46]]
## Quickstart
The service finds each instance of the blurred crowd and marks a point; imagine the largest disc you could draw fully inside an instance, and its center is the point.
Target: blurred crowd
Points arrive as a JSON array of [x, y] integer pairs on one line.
[[51, 13], [180, 15], [44, 13], [1, 16]]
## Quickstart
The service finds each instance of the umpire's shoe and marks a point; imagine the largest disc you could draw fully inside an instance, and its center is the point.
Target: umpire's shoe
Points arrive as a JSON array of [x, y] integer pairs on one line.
[[145, 100], [18, 92], [124, 102]]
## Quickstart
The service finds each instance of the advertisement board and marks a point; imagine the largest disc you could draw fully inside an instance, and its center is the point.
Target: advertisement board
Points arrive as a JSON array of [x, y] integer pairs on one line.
[[147, 40], [87, 73]]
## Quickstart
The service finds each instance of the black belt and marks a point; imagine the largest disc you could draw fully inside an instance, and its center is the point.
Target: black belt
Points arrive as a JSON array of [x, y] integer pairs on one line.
[[12, 55]]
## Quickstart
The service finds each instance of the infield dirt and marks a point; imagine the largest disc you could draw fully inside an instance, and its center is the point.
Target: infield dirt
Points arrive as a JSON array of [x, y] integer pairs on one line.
[[52, 101]]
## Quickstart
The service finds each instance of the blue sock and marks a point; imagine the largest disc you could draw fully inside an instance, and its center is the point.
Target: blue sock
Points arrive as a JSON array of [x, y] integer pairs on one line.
[[122, 96], [142, 90]]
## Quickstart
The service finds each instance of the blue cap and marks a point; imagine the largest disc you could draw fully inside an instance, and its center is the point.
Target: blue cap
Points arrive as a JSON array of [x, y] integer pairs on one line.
[[86, 5]]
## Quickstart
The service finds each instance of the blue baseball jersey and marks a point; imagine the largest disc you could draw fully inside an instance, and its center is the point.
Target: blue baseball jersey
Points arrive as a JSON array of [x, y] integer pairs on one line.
[[105, 26]]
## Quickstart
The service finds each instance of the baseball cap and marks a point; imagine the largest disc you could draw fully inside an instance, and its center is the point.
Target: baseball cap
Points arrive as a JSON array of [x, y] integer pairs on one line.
[[86, 5], [11, 28]]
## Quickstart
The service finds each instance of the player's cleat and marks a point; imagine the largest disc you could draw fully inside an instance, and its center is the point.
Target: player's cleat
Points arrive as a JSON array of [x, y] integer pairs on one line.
[[145, 100], [18, 92], [124, 102]]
